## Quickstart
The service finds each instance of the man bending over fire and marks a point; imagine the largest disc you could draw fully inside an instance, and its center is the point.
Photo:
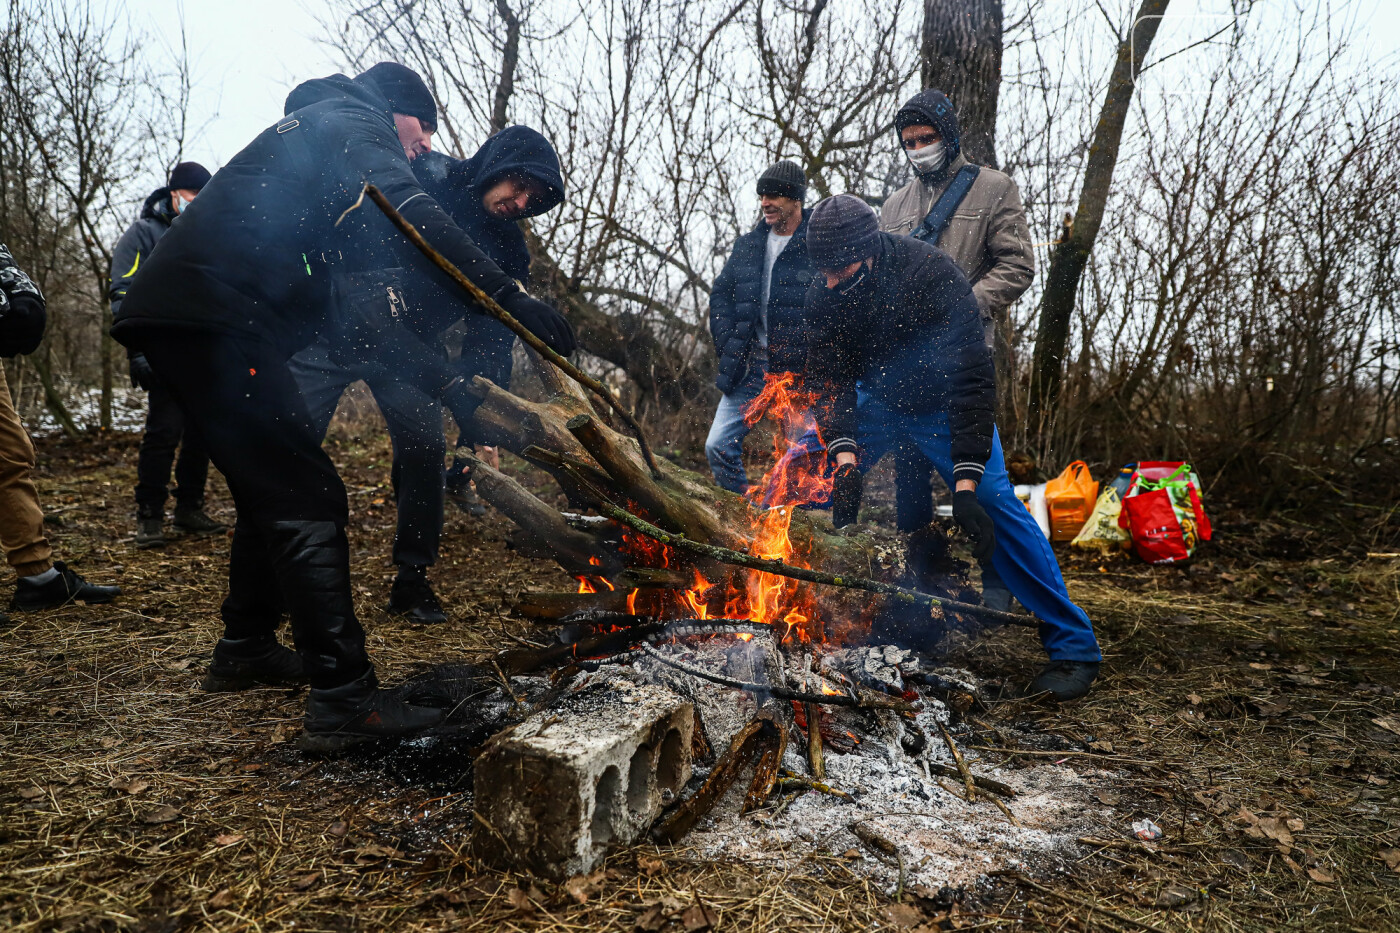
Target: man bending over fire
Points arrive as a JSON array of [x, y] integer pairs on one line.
[[898, 355]]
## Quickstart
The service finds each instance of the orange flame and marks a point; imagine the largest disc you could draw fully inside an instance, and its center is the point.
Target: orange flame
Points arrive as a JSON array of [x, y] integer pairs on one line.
[[632, 603]]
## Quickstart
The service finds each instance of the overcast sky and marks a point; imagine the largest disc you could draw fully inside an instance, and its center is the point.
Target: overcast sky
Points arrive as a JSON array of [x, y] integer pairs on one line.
[[248, 54]]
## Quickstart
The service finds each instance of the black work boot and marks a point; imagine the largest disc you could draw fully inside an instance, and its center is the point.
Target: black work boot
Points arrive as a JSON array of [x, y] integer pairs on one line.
[[192, 519], [67, 587], [241, 663], [359, 712], [1066, 680], [412, 597], [150, 532]]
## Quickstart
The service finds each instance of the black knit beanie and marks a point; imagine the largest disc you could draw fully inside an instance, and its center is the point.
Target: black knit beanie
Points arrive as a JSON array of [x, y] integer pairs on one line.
[[784, 180], [406, 91], [188, 176], [842, 230]]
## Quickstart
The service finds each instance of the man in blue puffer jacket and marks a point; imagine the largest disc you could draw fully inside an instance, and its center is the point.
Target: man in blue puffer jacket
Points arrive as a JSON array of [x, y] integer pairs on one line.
[[757, 314]]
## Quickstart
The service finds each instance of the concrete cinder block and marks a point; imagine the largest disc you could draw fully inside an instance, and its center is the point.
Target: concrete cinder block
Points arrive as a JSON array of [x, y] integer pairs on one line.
[[594, 771]]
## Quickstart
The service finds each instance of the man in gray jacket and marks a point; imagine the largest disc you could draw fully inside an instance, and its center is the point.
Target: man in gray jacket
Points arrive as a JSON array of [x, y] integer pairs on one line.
[[974, 214]]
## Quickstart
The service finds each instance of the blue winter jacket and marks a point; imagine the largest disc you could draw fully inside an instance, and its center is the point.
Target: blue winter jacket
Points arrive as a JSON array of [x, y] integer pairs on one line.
[[735, 300]]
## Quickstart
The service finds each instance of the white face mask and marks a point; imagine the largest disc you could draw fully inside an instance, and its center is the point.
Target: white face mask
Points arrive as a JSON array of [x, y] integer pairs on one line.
[[929, 158]]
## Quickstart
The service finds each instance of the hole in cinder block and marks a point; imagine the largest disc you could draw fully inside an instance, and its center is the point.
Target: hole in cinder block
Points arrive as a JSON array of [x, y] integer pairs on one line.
[[605, 802], [670, 763], [639, 781]]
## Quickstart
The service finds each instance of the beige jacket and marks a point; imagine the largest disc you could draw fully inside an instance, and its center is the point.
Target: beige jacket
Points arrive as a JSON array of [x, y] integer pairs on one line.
[[987, 237]]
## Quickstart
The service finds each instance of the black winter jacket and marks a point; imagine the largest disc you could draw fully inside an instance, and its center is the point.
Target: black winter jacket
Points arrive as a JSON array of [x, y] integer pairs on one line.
[[22, 310], [735, 300], [458, 185], [913, 339], [252, 255], [136, 244]]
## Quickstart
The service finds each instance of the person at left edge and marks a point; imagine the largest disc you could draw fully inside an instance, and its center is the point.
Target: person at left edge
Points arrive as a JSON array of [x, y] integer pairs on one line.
[[228, 295], [165, 426]]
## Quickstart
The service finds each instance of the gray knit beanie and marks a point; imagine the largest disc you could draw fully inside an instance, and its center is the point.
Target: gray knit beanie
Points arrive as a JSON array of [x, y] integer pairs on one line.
[[785, 180], [842, 230]]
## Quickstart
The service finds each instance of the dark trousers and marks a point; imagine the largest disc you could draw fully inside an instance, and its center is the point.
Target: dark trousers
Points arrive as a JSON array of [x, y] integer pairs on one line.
[[415, 428], [165, 431], [289, 548], [913, 499]]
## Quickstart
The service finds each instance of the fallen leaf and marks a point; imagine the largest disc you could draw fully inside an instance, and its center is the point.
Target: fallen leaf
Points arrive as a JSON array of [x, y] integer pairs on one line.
[[1236, 859], [222, 898], [1388, 723], [110, 741], [698, 917], [903, 916], [520, 901], [372, 853], [338, 828], [306, 880], [1260, 666], [228, 839], [131, 786], [1321, 875], [1294, 824], [1276, 829], [582, 887], [1377, 781], [1175, 895], [1102, 746], [852, 854], [31, 793], [651, 920], [1107, 799], [164, 813], [1391, 858], [1194, 699], [651, 867]]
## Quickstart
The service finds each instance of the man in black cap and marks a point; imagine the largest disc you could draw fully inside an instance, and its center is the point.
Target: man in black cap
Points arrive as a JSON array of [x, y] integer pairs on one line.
[[515, 174], [974, 214], [757, 315], [242, 282], [898, 356], [165, 426]]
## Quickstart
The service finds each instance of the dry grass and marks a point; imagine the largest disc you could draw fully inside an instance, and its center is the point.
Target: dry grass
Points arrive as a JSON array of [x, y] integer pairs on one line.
[[131, 801]]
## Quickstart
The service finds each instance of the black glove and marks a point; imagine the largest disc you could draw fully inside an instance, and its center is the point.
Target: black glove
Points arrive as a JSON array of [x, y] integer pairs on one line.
[[544, 322], [22, 325], [974, 520], [846, 490], [142, 376]]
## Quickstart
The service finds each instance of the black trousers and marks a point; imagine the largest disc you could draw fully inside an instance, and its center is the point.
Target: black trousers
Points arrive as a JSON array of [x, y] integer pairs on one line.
[[289, 551], [165, 431]]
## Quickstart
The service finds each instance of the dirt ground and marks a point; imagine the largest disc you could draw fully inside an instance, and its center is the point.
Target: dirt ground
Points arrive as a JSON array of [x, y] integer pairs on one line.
[[1247, 701]]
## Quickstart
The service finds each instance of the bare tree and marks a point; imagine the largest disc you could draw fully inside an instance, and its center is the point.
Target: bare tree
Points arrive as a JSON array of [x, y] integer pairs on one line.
[[961, 56]]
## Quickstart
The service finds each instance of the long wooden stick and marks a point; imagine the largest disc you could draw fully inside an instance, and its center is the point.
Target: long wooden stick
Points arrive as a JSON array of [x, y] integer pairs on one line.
[[501, 314], [724, 555]]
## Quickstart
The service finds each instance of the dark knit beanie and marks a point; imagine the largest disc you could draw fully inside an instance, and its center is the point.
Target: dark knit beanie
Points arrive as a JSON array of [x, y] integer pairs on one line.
[[406, 91], [842, 230], [784, 180], [188, 176]]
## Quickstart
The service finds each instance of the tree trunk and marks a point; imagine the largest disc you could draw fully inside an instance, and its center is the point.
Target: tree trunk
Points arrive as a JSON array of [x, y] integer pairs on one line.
[[1070, 257], [52, 399], [961, 53]]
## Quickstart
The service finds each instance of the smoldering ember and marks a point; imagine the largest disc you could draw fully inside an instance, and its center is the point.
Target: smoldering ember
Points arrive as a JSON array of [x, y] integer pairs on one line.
[[676, 467]]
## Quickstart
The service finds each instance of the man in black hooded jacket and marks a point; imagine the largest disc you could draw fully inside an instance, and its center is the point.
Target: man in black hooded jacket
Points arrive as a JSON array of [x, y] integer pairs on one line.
[[238, 286], [411, 412], [165, 426]]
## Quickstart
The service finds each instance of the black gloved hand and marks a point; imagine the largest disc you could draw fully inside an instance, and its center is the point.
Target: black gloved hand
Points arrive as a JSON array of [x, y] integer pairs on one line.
[[142, 376], [974, 520], [22, 325], [846, 489], [544, 321]]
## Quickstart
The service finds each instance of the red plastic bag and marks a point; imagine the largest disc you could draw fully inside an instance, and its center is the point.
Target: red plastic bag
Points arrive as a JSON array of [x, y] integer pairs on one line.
[[1163, 512]]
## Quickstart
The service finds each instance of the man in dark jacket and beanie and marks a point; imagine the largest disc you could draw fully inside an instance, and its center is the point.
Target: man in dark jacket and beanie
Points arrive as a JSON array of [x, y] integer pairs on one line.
[[982, 226], [241, 283], [757, 314], [515, 175], [165, 426], [411, 412], [898, 355]]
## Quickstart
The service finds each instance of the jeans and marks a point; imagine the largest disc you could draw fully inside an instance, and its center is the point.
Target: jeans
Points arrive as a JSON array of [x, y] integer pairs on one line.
[[1023, 558], [724, 447], [415, 428], [166, 430]]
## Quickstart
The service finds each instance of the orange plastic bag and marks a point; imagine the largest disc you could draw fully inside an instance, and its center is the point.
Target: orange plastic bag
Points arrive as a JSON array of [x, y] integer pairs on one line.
[[1070, 498]]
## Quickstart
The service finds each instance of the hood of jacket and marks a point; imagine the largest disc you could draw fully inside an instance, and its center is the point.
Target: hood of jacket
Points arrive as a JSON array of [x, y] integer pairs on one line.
[[337, 85], [157, 207], [932, 108]]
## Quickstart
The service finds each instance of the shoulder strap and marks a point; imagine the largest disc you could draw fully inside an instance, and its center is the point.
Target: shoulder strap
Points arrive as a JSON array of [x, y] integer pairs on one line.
[[937, 220]]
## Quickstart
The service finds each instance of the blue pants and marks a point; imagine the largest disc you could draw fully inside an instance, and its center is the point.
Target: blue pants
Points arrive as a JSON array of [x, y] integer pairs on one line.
[[725, 446], [1023, 558]]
